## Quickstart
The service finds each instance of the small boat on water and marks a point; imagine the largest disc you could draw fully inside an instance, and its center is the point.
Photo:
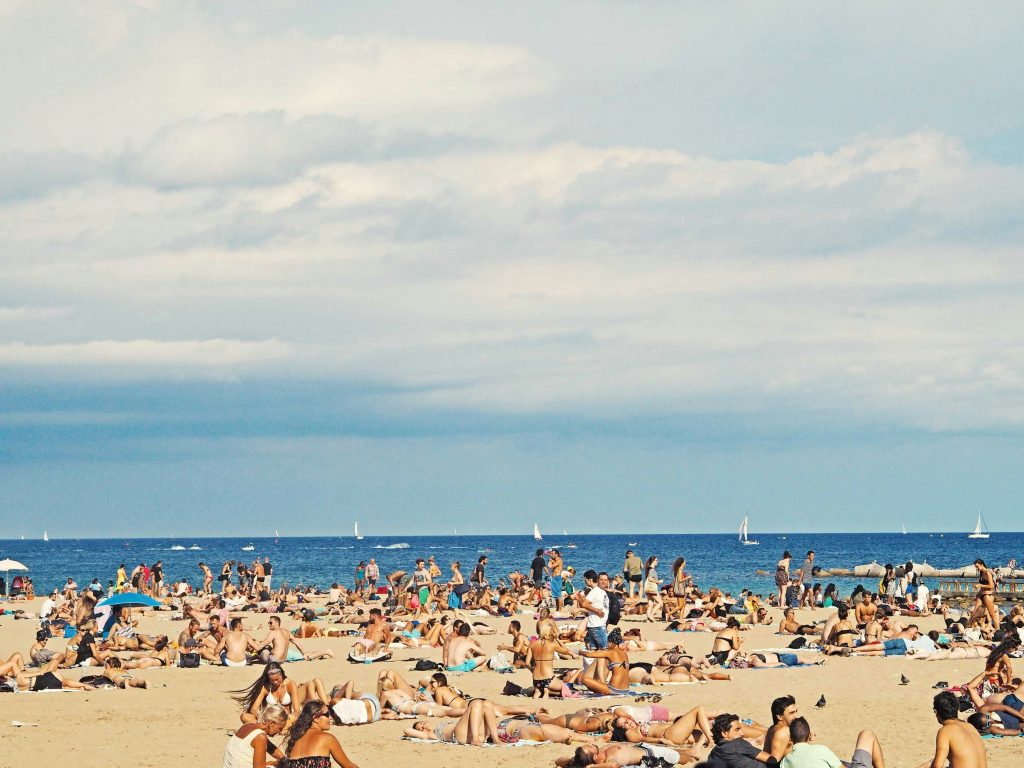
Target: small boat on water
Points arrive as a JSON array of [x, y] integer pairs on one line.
[[177, 548], [248, 548], [195, 548], [355, 529], [904, 529], [980, 529], [46, 536], [744, 539], [536, 533]]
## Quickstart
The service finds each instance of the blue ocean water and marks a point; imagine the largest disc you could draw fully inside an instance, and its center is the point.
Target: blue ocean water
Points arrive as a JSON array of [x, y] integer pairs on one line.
[[712, 559]]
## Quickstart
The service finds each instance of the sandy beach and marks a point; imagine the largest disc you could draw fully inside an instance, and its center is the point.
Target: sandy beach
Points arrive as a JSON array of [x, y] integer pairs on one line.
[[185, 719]]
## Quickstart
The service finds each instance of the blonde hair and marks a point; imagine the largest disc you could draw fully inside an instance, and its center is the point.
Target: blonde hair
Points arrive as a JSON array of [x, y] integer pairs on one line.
[[273, 713], [547, 632]]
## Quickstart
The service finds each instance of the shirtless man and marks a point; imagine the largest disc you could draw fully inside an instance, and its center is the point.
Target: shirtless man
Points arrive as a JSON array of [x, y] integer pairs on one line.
[[280, 639], [377, 635], [232, 650], [956, 742], [777, 742], [790, 626], [464, 655], [519, 645], [866, 610]]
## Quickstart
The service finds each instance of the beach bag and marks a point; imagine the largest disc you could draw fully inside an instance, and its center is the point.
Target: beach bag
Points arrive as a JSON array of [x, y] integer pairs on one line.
[[426, 665], [461, 589], [188, 660], [799, 642]]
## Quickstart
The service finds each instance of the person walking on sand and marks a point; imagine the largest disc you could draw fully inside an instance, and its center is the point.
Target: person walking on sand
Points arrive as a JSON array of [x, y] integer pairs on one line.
[[632, 572], [807, 577]]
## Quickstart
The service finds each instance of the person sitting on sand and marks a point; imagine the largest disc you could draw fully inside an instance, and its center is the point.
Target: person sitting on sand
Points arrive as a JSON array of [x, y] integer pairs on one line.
[[540, 658], [309, 743], [274, 687], [277, 645], [867, 752], [956, 742], [777, 741], [843, 634], [519, 644], [616, 662], [727, 642], [464, 654], [233, 650], [249, 746], [38, 652], [376, 637], [897, 645], [790, 626]]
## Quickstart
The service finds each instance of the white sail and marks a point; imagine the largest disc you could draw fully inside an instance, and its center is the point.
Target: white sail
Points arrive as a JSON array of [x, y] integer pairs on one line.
[[536, 532], [46, 536], [276, 534], [355, 528], [904, 528], [980, 529], [744, 539]]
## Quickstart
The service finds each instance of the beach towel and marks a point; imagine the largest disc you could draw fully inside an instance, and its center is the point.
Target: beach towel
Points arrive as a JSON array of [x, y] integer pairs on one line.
[[368, 658]]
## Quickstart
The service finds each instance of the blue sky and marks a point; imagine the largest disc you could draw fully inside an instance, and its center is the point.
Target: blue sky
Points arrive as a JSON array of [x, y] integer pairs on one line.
[[625, 266]]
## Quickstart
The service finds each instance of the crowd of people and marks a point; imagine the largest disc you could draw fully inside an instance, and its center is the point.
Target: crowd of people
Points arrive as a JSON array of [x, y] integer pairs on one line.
[[576, 648]]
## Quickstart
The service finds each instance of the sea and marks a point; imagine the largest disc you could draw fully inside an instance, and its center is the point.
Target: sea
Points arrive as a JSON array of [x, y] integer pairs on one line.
[[712, 559]]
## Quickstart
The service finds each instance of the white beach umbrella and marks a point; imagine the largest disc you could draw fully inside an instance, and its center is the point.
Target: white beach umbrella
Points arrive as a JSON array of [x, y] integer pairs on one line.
[[9, 565]]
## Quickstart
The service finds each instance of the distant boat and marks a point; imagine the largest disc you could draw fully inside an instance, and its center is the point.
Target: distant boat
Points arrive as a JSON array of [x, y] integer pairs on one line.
[[276, 534], [248, 548], [743, 533], [570, 545], [904, 528], [195, 547], [980, 529], [356, 531], [565, 532], [536, 532], [46, 536], [632, 543], [177, 548]]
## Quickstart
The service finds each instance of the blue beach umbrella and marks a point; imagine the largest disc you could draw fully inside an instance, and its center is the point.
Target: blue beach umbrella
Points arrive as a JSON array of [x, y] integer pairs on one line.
[[129, 600]]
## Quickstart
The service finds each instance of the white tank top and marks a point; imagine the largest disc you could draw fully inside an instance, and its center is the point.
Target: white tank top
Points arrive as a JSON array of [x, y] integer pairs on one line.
[[238, 752]]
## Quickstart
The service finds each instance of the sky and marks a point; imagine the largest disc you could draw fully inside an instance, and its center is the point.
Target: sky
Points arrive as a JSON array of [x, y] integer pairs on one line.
[[607, 266]]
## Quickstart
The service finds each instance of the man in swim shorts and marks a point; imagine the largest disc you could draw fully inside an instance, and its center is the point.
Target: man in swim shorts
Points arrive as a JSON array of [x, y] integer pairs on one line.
[[464, 654], [234, 648]]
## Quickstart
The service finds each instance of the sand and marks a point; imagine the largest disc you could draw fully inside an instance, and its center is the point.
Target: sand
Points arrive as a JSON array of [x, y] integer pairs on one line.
[[187, 717]]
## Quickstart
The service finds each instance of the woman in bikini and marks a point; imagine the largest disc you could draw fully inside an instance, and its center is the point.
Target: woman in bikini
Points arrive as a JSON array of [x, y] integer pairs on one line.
[[395, 693], [309, 743], [985, 601], [681, 731], [617, 661], [113, 677], [652, 590], [782, 576], [844, 633], [161, 656], [634, 642], [727, 642], [540, 659], [482, 723], [590, 720], [273, 686]]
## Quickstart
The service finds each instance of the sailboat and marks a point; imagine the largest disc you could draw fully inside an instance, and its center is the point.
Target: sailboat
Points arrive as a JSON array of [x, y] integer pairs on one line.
[[536, 532], [980, 529], [743, 533], [904, 528], [46, 536], [356, 531]]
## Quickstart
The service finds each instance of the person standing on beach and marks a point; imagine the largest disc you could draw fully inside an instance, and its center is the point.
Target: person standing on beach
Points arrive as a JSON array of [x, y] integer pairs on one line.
[[554, 569], [537, 566], [632, 572], [807, 577], [596, 603], [782, 577], [956, 742], [372, 574], [122, 578], [479, 577]]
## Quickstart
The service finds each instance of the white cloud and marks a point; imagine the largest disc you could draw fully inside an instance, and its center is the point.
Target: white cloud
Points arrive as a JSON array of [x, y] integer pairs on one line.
[[151, 354]]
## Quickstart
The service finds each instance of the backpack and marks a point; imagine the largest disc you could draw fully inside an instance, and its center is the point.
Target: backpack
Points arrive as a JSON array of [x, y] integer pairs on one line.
[[614, 608]]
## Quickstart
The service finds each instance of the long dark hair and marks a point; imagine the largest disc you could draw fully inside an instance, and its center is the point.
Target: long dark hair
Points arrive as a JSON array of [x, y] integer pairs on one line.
[[1011, 642], [247, 696], [311, 710]]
